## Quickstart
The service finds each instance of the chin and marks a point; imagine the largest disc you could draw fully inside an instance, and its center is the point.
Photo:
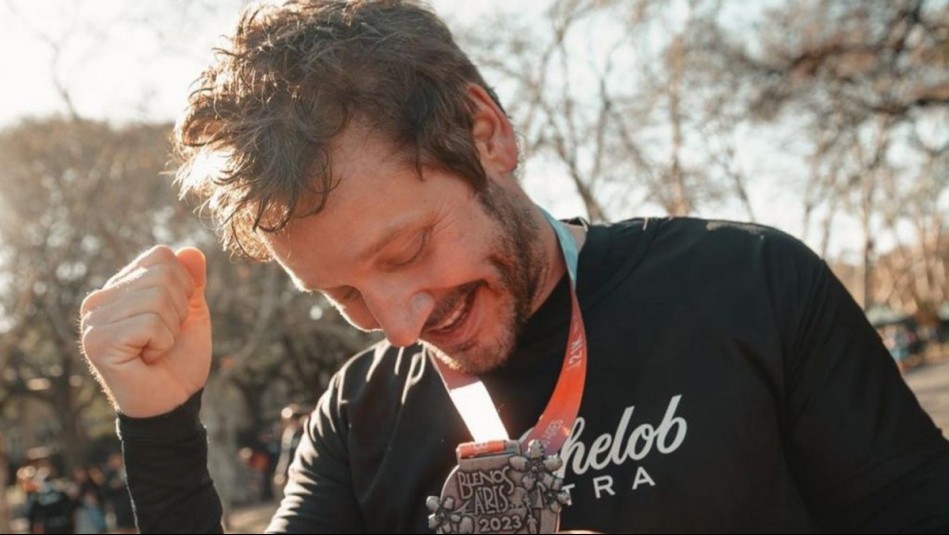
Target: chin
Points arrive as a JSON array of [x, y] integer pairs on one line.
[[475, 359], [495, 327]]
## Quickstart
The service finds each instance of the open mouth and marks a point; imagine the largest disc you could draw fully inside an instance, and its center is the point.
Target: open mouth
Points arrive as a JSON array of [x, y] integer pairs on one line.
[[455, 318]]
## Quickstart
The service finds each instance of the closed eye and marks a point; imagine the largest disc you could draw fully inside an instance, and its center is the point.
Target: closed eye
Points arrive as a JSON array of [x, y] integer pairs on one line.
[[413, 252]]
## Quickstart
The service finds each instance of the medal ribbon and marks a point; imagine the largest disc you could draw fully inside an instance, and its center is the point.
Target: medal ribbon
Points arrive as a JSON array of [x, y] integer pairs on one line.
[[473, 402]]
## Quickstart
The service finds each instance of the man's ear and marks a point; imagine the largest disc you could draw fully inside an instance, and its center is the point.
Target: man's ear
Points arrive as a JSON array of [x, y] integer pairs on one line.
[[492, 133]]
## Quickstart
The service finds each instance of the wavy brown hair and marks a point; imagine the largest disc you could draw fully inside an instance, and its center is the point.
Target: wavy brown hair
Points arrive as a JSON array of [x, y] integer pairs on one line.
[[255, 137]]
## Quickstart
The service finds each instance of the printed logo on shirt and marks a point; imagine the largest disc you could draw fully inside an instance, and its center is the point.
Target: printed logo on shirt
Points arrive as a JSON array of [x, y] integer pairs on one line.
[[624, 445]]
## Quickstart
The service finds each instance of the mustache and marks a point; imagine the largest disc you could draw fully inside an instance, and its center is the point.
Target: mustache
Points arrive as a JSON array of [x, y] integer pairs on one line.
[[447, 304]]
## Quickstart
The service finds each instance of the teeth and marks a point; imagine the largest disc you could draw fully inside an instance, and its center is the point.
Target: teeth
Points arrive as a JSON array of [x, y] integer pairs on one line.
[[450, 320]]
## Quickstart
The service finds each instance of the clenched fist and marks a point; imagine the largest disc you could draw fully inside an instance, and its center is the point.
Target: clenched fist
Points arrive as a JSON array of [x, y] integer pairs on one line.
[[147, 332]]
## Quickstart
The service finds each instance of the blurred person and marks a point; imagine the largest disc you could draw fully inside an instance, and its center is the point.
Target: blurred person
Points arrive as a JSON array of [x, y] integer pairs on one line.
[[896, 342], [260, 466], [269, 449], [82, 481], [116, 494], [50, 509], [89, 510], [692, 375], [294, 422], [27, 486], [89, 515], [25, 478]]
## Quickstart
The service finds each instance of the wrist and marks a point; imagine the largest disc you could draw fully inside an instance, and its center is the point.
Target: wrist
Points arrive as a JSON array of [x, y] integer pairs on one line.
[[176, 425]]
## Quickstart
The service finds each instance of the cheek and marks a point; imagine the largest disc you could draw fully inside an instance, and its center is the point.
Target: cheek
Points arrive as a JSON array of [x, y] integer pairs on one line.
[[460, 254]]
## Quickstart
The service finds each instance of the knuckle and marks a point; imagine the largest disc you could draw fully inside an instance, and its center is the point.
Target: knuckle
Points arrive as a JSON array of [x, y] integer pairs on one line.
[[91, 341], [161, 342], [86, 321], [159, 298], [129, 336], [90, 302], [164, 274], [166, 340], [162, 253], [153, 323]]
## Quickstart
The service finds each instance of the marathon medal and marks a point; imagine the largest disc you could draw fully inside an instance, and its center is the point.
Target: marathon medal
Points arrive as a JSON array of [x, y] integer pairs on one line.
[[509, 486], [497, 488]]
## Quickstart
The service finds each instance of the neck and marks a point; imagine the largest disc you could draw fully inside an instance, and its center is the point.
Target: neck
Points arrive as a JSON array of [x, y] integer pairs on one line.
[[555, 266]]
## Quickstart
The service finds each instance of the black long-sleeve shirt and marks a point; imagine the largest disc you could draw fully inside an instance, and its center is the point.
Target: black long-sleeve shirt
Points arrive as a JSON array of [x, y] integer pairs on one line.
[[732, 385]]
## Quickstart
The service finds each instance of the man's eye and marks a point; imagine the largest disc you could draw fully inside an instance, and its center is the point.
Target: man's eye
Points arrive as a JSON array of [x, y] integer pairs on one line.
[[414, 252]]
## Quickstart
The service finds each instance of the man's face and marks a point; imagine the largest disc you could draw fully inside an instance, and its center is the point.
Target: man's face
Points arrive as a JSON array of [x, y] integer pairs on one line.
[[419, 258]]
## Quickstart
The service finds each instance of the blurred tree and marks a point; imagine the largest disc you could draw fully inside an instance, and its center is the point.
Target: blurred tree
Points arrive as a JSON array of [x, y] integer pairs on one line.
[[79, 200], [655, 102], [868, 84], [627, 98], [67, 220]]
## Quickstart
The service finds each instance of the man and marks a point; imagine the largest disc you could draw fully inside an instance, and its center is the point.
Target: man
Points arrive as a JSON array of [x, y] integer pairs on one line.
[[730, 382], [117, 494], [49, 508], [294, 425]]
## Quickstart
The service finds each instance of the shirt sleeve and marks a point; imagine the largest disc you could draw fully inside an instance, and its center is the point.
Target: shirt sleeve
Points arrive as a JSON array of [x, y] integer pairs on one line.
[[864, 453], [319, 496], [166, 465]]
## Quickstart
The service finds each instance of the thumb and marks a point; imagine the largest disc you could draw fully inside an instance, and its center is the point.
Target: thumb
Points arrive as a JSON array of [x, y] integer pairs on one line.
[[193, 260]]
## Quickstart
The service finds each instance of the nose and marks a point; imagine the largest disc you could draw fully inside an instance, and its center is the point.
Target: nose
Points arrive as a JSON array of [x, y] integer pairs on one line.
[[400, 314]]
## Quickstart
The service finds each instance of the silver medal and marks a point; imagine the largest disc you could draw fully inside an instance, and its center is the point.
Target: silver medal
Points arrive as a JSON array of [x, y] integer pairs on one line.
[[501, 491]]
